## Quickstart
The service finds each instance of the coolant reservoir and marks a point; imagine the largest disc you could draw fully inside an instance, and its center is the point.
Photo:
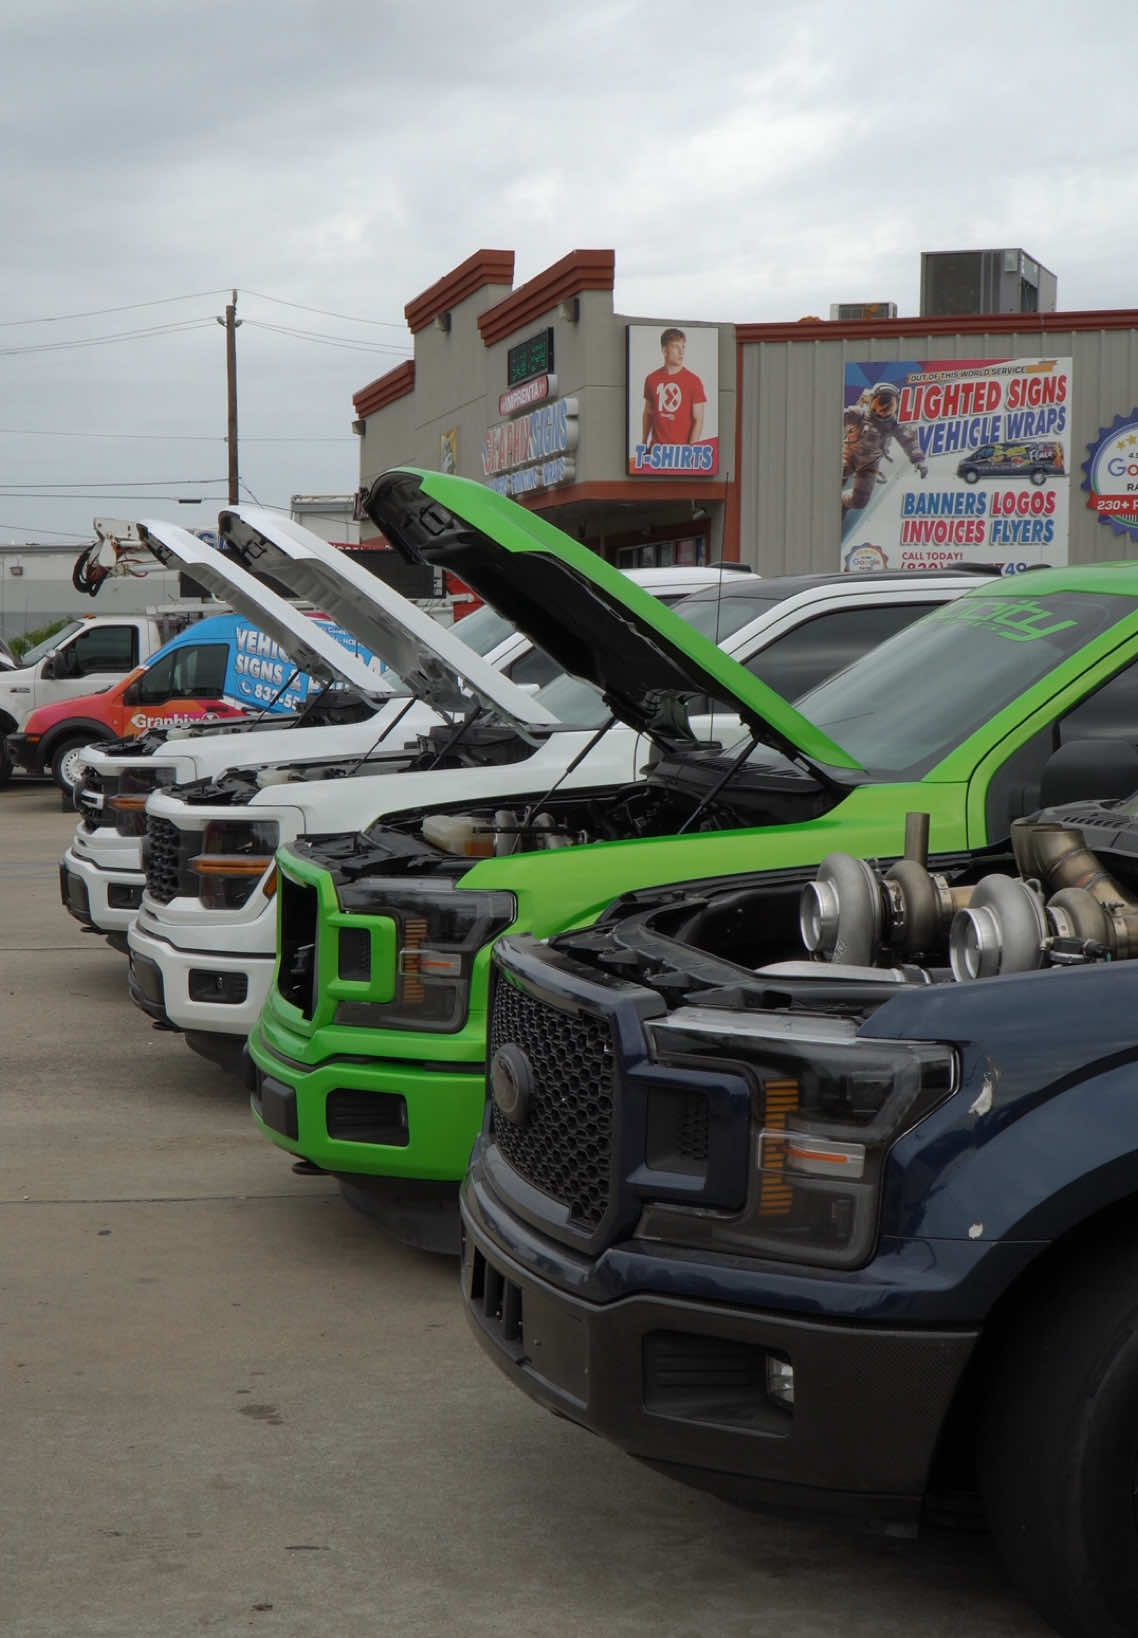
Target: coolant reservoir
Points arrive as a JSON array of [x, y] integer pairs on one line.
[[459, 833]]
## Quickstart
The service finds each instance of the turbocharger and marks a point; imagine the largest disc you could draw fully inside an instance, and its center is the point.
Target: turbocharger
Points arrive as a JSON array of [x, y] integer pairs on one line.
[[851, 912], [1063, 908]]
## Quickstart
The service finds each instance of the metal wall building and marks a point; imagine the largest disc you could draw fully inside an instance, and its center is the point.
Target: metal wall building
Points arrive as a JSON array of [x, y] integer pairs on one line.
[[1002, 437], [794, 383]]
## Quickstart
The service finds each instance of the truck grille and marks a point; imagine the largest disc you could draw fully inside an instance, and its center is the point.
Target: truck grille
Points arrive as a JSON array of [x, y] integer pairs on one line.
[[565, 1146], [296, 966], [93, 797], [167, 852]]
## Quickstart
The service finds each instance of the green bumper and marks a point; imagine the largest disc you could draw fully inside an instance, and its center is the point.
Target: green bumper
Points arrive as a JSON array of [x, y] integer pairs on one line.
[[380, 1118]]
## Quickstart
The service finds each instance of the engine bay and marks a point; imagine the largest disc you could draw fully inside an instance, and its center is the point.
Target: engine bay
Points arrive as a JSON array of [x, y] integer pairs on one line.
[[844, 935]]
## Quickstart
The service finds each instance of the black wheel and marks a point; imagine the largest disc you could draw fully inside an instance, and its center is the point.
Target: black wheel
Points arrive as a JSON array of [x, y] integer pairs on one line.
[[970, 474], [1058, 1449], [1038, 475], [5, 761], [65, 767]]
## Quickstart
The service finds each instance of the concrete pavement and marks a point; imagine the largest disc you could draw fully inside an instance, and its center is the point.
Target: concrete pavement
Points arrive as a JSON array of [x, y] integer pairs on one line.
[[231, 1406]]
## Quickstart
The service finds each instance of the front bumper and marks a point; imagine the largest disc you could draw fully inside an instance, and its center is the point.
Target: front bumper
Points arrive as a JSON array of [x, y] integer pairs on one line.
[[377, 1118], [25, 754], [103, 896], [682, 1382], [206, 990]]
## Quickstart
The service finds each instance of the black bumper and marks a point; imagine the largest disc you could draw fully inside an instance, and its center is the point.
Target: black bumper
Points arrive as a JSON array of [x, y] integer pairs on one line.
[[144, 981], [73, 893], [27, 757], [682, 1384]]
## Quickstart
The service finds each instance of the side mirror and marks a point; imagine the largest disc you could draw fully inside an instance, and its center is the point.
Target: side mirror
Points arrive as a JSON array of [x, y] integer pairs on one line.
[[47, 668], [1087, 769], [131, 694]]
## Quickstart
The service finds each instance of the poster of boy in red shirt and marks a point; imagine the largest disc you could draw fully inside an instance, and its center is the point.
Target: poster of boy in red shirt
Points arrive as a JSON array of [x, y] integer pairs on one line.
[[673, 424]]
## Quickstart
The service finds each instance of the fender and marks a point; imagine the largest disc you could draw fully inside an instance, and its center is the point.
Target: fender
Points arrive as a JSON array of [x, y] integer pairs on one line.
[[1064, 1098], [71, 728]]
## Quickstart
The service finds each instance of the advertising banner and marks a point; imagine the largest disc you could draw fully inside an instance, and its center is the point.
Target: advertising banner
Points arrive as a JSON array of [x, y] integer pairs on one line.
[[1110, 475], [673, 401], [951, 460], [260, 675]]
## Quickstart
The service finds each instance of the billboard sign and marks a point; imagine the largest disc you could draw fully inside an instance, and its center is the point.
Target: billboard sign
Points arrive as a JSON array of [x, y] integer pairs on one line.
[[673, 401], [950, 459]]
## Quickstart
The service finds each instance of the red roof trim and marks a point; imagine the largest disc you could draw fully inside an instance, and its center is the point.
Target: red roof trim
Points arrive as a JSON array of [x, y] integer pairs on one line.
[[397, 383], [580, 270], [651, 489], [484, 267], [972, 324]]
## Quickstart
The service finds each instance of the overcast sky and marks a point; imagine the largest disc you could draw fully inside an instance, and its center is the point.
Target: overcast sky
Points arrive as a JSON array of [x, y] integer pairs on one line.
[[747, 160]]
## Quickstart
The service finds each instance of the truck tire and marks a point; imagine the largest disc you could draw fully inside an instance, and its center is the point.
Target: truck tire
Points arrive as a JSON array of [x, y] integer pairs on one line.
[[1058, 1450], [63, 759], [5, 762]]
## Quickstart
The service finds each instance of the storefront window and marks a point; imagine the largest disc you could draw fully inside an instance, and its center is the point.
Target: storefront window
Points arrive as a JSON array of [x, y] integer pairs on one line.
[[664, 554]]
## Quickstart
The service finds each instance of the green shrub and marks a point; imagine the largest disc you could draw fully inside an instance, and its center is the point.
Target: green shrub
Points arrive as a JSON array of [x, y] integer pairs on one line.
[[20, 645]]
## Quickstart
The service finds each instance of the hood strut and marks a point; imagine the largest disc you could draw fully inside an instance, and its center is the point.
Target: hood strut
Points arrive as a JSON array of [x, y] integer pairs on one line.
[[725, 779], [595, 739], [379, 738]]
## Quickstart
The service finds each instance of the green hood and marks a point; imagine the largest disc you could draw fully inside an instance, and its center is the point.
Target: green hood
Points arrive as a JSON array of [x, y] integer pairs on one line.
[[591, 618]]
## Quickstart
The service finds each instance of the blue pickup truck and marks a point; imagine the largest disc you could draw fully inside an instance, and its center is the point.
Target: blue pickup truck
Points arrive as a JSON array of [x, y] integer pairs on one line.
[[819, 1188]]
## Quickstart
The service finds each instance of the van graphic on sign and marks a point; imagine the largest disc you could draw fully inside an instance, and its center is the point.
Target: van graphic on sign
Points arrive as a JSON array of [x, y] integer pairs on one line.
[[1037, 461]]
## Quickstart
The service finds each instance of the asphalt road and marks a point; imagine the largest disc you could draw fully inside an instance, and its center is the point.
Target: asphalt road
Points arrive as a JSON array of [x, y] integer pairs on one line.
[[231, 1406]]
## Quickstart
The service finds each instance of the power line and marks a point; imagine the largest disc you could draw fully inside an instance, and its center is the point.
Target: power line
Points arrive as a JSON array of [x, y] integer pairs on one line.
[[197, 295], [119, 483], [98, 312], [69, 534], [330, 341], [171, 437], [103, 341], [390, 324], [17, 494]]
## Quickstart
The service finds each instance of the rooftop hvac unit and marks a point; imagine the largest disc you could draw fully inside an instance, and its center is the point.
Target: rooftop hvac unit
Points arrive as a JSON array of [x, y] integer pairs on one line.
[[863, 309]]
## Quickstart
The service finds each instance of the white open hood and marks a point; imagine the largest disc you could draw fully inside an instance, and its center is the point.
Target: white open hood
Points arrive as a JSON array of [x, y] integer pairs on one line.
[[432, 661], [304, 640]]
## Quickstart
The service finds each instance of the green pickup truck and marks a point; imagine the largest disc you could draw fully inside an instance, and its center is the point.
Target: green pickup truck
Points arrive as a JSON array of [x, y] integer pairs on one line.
[[368, 1060]]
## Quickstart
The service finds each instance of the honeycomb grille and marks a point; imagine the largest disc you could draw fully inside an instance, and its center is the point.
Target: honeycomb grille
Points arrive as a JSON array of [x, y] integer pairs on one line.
[[168, 852], [565, 1146]]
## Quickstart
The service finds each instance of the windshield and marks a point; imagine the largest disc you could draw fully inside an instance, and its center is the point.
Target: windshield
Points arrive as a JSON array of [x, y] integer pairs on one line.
[[904, 706], [31, 655], [581, 704], [717, 618], [482, 630]]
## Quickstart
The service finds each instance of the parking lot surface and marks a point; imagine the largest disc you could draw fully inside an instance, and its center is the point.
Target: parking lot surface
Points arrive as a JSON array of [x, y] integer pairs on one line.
[[232, 1406]]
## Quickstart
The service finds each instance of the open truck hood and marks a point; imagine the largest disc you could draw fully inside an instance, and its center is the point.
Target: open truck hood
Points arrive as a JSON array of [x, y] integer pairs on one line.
[[304, 640], [591, 618], [432, 662]]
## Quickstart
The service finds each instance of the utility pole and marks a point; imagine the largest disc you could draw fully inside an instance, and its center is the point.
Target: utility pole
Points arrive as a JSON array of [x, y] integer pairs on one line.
[[231, 321]]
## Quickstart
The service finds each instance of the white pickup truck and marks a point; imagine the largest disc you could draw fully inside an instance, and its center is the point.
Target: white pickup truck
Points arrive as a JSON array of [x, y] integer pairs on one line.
[[203, 942], [101, 873], [89, 653]]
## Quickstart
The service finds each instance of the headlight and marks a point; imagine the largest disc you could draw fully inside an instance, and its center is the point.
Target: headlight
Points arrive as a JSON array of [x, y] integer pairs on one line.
[[127, 804], [236, 853], [827, 1105], [405, 952]]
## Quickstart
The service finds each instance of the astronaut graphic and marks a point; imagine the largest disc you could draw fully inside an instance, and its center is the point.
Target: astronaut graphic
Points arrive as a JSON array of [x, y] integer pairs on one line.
[[868, 430]]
